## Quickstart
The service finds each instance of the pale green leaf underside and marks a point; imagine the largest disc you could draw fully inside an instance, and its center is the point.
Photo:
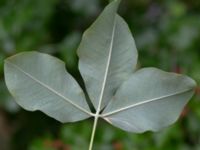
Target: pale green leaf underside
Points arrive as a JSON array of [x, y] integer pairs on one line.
[[107, 55], [40, 82], [149, 100]]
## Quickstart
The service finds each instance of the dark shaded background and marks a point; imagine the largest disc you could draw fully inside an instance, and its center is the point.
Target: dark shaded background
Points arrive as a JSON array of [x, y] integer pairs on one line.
[[167, 35]]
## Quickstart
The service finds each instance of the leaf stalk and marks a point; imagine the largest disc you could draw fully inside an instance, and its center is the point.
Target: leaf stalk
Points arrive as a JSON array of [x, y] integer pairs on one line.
[[93, 131]]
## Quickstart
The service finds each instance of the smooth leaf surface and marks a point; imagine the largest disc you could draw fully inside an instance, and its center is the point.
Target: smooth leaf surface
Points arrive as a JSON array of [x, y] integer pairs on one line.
[[135, 101], [107, 55], [40, 82], [150, 100]]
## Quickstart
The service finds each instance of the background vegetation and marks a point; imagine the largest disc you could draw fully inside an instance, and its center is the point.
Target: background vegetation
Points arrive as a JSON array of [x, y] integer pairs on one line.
[[167, 35]]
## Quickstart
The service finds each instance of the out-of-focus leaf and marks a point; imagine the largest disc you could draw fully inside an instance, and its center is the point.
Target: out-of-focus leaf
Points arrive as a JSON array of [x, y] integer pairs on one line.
[[67, 49], [85, 6]]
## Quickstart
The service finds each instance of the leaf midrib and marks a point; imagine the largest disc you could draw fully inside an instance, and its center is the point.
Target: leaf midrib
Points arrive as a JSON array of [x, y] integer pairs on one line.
[[144, 102], [107, 66], [48, 87]]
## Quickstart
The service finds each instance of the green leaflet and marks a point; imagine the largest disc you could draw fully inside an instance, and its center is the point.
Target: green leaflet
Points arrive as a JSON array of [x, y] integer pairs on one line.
[[136, 101], [149, 100], [107, 56], [40, 82]]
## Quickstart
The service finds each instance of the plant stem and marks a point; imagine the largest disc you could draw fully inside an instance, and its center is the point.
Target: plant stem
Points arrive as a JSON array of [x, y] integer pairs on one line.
[[93, 131]]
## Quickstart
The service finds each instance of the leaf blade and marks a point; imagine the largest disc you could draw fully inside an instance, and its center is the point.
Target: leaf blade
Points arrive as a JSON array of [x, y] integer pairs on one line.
[[100, 50], [140, 111], [47, 74]]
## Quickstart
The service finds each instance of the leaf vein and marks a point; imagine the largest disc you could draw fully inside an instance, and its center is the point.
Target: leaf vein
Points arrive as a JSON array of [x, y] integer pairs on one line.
[[143, 102], [107, 66], [49, 88]]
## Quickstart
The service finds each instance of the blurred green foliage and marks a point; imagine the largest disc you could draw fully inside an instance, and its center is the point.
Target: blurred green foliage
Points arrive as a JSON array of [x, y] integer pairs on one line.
[[167, 35]]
